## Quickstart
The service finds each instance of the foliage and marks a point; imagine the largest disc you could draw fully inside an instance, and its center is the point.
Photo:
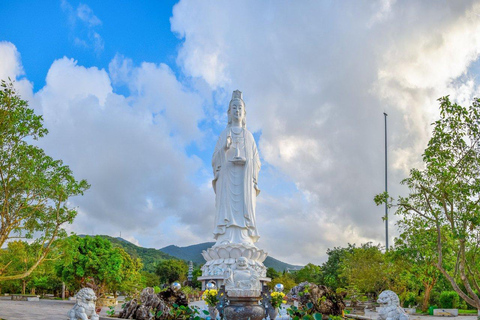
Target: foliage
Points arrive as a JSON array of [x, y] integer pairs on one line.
[[449, 300], [34, 188], [183, 313], [197, 272], [297, 313], [409, 299], [150, 279], [444, 196], [111, 311], [331, 271], [286, 279], [416, 248], [93, 261], [210, 297], [366, 268], [272, 273], [172, 270], [276, 299], [149, 256], [21, 256], [309, 273]]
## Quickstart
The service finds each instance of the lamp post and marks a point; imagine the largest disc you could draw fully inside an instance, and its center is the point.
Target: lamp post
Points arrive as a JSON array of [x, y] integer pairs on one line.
[[386, 188]]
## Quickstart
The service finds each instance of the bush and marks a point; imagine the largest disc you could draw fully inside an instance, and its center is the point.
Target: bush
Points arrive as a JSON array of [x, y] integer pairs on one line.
[[449, 300], [409, 300]]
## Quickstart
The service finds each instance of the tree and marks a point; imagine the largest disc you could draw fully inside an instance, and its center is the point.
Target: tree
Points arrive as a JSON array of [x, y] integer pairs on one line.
[[331, 270], [366, 269], [172, 270], [444, 196], [272, 273], [286, 279], [34, 188], [310, 273], [417, 248], [93, 261]]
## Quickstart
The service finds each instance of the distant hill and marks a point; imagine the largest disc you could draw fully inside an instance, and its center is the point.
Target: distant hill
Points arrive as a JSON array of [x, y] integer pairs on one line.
[[193, 253], [151, 256]]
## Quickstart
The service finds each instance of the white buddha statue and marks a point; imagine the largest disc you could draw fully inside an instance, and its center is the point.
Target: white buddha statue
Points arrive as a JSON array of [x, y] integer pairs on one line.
[[235, 165]]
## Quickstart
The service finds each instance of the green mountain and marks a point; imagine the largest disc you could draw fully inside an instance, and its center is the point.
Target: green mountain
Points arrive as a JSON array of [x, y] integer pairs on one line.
[[193, 253], [149, 256]]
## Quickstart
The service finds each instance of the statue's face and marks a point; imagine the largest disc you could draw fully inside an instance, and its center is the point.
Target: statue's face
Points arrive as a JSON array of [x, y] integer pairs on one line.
[[242, 262], [238, 110]]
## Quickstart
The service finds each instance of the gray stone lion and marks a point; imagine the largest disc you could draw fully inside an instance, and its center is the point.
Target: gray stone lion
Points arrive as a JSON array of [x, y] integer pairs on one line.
[[390, 307], [84, 309]]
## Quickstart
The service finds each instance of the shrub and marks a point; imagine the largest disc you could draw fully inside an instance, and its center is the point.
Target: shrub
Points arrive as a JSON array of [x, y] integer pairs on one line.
[[409, 300], [449, 300]]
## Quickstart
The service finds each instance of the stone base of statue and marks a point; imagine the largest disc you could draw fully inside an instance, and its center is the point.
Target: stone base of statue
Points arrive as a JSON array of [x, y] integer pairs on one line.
[[221, 259], [241, 308]]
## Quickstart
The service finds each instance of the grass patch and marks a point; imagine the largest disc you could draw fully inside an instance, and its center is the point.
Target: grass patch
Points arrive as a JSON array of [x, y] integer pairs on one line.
[[467, 311]]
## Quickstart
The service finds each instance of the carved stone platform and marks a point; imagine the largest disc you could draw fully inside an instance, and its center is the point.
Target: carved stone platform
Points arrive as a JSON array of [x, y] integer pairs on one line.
[[222, 258]]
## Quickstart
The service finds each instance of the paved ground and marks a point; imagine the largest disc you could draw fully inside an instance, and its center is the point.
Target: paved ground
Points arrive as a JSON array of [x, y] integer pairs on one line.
[[57, 310]]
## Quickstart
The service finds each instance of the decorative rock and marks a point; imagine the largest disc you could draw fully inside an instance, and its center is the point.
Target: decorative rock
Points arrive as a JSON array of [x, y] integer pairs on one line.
[[323, 299], [390, 307], [149, 301], [85, 306], [445, 312], [33, 299]]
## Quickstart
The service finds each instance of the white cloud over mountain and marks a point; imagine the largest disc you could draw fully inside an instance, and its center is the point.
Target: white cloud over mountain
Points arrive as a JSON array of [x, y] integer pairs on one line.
[[316, 77]]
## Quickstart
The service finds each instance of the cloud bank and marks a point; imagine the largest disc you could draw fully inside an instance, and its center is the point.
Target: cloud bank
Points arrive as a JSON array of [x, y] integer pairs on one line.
[[316, 78]]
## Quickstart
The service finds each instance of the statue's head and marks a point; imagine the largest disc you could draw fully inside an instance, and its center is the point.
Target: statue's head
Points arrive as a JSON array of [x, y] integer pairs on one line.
[[236, 109], [242, 263]]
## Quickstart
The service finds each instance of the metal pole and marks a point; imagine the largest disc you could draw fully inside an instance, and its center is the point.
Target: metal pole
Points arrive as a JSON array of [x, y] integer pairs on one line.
[[386, 189]]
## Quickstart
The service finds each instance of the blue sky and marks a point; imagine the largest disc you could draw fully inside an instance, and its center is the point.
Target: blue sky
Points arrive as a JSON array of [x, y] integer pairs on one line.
[[135, 93], [46, 30]]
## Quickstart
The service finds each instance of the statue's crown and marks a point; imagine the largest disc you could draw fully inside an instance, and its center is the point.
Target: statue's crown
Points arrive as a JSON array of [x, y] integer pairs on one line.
[[237, 95]]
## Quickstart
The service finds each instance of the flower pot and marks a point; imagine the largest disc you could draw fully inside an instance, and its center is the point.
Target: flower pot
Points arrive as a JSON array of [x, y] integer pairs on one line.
[[213, 312], [272, 313]]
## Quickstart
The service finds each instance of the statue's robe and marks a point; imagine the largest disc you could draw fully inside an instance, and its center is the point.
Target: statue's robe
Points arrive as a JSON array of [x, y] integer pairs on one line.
[[235, 190]]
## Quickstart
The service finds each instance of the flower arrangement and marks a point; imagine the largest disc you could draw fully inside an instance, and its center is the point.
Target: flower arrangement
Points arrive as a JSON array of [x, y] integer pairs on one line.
[[210, 297], [276, 299]]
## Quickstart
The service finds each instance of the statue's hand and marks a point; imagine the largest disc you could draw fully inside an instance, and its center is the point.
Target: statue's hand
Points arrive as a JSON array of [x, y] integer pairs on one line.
[[228, 143]]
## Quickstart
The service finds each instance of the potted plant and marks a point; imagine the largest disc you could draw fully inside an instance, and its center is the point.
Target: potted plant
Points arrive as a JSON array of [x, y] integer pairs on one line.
[[211, 299], [276, 300]]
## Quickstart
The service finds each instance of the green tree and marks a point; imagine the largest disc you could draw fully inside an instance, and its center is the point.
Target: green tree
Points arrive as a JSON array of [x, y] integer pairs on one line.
[[287, 279], [93, 261], [272, 273], [310, 273], [417, 247], [172, 270], [331, 270], [366, 269], [34, 188], [444, 196]]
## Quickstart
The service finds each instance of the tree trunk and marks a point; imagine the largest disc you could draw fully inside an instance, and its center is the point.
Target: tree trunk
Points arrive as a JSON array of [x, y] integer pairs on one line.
[[24, 286], [426, 297], [63, 290]]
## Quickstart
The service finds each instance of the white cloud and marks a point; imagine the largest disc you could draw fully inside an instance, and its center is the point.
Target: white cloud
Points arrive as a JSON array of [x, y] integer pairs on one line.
[[130, 149], [317, 79], [84, 26]]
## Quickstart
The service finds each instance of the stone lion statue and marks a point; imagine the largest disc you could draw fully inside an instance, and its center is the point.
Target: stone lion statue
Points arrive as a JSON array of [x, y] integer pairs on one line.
[[84, 309], [390, 307]]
